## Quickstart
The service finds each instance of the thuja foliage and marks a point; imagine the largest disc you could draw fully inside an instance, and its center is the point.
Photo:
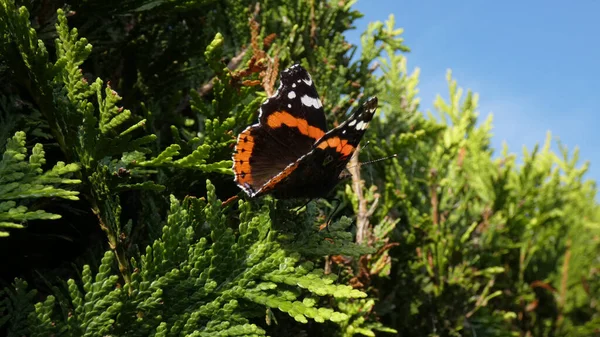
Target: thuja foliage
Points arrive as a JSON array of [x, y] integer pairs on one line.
[[138, 104], [22, 180], [200, 278]]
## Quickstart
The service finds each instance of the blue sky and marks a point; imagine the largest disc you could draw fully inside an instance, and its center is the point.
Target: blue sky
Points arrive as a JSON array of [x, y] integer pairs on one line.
[[535, 64]]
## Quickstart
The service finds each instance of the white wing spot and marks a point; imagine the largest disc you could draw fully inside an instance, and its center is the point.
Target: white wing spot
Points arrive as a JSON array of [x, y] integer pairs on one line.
[[291, 94], [343, 132], [293, 85], [289, 106], [308, 81], [361, 125], [352, 123], [310, 101]]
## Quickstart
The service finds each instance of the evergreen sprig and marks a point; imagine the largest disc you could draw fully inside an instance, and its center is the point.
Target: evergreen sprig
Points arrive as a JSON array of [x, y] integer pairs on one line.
[[23, 179], [199, 278]]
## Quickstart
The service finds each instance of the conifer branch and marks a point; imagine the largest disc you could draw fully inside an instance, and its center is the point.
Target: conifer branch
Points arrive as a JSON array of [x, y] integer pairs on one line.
[[22, 179]]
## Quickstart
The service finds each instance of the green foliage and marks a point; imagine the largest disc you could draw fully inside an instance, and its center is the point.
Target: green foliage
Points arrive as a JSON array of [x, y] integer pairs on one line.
[[22, 180], [195, 280], [143, 100], [488, 246]]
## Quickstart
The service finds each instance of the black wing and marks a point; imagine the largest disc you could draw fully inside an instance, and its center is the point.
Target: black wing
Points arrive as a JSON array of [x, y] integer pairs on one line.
[[290, 122], [346, 137], [317, 172]]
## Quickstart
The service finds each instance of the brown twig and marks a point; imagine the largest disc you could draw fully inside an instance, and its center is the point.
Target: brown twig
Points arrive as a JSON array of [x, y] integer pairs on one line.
[[233, 64], [229, 201], [259, 63], [363, 235], [270, 76], [115, 243], [362, 216]]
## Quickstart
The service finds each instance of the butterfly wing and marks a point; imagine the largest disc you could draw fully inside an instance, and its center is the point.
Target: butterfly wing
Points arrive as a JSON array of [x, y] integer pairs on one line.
[[296, 104], [317, 172], [290, 122], [346, 137]]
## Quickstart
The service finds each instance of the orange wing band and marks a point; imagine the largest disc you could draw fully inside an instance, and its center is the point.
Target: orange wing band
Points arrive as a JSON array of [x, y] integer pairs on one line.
[[340, 145], [241, 159], [279, 118]]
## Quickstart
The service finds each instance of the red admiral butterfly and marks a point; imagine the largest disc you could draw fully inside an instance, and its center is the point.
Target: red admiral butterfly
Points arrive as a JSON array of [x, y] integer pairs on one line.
[[289, 153]]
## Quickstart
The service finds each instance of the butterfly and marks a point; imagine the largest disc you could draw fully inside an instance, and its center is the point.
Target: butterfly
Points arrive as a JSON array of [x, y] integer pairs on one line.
[[289, 153]]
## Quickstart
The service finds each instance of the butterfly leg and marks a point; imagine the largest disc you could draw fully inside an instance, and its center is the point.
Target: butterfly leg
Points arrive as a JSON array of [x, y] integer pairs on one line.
[[330, 217], [304, 205]]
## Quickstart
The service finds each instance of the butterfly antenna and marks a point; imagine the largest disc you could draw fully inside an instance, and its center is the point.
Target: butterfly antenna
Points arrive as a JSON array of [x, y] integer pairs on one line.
[[374, 161], [377, 160], [365, 146]]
